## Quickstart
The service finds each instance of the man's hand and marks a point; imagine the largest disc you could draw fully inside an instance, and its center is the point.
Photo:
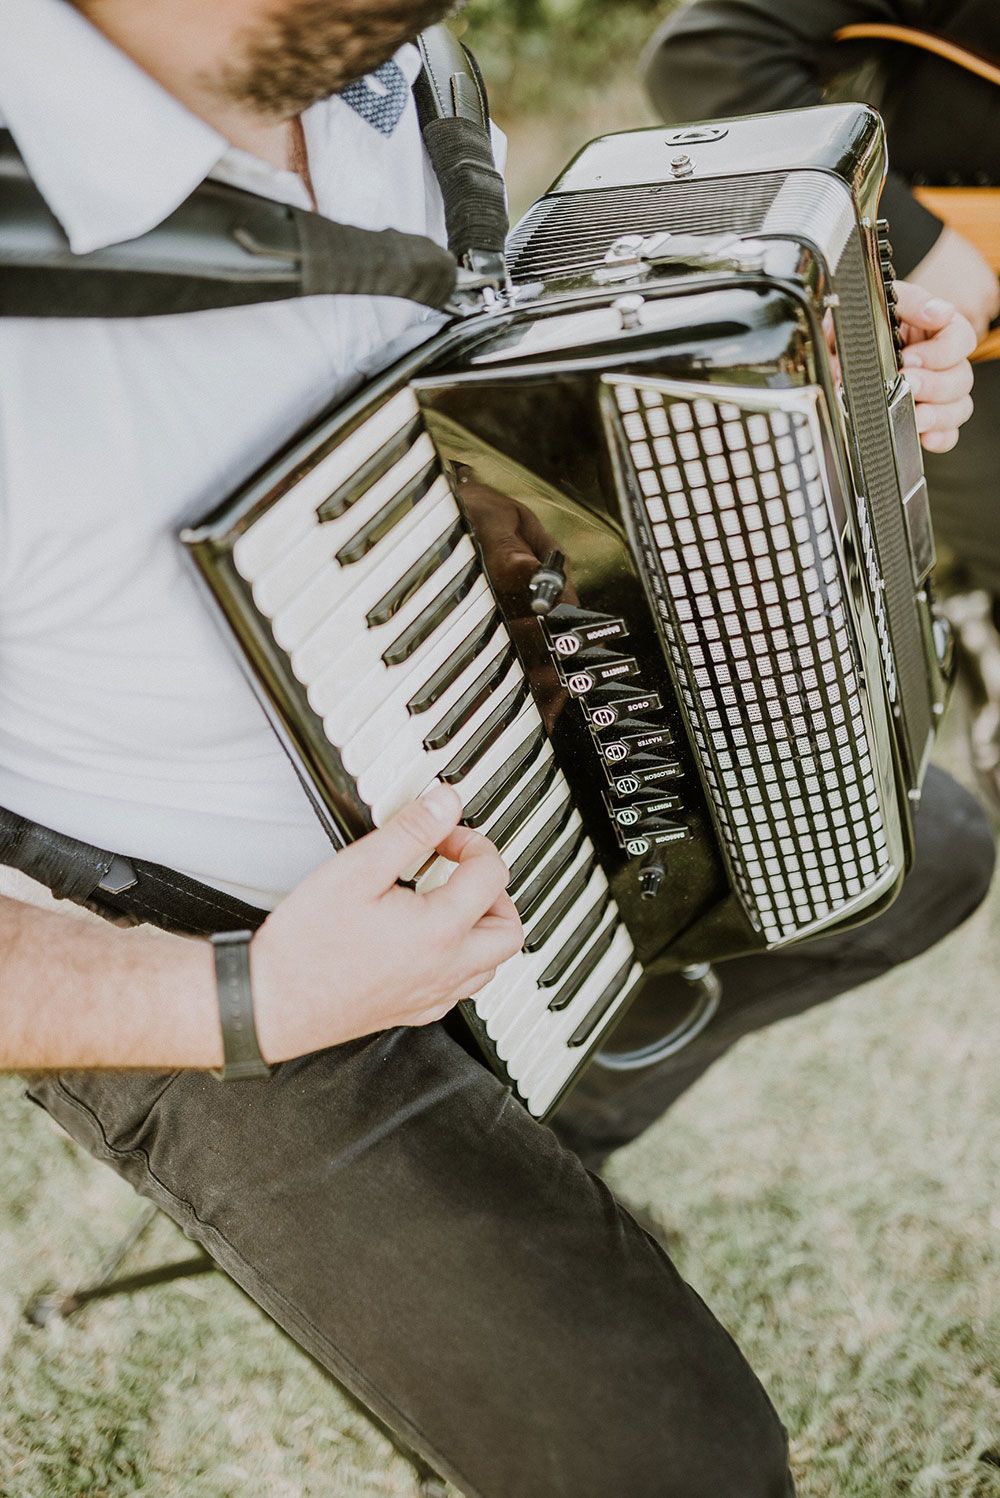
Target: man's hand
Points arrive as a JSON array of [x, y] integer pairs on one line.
[[350, 951], [938, 343], [954, 270]]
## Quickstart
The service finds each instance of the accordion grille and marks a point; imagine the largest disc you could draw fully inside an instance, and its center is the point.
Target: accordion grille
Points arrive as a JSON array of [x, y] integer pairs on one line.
[[572, 232], [763, 652]]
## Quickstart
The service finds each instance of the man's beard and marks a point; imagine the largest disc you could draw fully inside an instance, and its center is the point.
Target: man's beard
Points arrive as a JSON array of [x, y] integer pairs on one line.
[[309, 49]]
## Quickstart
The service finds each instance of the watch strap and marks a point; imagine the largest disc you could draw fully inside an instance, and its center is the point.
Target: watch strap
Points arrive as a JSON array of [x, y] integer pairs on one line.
[[240, 1048]]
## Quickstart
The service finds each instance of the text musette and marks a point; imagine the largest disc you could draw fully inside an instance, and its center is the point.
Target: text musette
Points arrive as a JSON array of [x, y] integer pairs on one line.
[[695, 389]]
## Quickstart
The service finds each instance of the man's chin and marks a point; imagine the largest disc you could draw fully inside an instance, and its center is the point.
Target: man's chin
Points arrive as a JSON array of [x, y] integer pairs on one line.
[[310, 49]]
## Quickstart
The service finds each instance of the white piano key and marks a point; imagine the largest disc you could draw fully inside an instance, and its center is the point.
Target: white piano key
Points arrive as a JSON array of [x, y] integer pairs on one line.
[[544, 758], [333, 586], [556, 796], [509, 1012], [294, 513], [351, 649], [497, 1005], [495, 759], [544, 1090], [521, 1045], [345, 710], [292, 571], [533, 1058], [390, 717], [397, 795], [438, 870], [404, 762]]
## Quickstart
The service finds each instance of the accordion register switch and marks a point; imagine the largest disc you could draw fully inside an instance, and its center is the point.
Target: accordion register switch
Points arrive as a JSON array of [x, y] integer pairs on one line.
[[631, 745]]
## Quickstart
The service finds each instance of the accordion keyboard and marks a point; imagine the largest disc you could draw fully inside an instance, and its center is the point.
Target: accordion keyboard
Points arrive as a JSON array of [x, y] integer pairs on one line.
[[378, 607]]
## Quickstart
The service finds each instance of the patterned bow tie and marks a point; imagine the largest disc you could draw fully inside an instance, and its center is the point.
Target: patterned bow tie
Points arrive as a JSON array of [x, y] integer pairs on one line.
[[380, 98]]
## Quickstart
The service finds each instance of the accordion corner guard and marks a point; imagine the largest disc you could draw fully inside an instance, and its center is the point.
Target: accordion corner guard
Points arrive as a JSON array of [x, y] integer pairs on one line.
[[699, 728]]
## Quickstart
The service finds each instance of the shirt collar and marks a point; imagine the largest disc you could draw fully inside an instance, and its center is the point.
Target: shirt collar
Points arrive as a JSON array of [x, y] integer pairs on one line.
[[112, 152]]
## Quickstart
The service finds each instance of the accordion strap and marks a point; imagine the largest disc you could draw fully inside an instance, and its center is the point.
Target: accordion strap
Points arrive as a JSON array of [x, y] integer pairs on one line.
[[455, 121], [225, 247], [926, 41]]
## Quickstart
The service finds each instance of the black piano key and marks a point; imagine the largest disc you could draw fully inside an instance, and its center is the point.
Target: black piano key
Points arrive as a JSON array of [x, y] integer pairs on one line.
[[541, 844], [534, 895], [543, 929], [428, 620], [365, 477], [471, 700], [571, 950], [485, 802], [586, 965], [522, 806], [486, 735], [451, 669], [596, 1013], [391, 513], [415, 577]]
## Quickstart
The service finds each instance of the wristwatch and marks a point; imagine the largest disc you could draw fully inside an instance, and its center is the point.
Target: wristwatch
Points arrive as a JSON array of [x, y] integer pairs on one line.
[[240, 1048]]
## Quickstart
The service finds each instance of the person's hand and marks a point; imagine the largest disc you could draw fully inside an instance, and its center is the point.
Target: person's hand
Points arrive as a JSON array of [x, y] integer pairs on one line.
[[938, 341], [954, 270], [350, 951]]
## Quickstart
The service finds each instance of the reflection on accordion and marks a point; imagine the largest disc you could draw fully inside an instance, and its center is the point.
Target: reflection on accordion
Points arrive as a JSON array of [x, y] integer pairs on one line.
[[714, 739]]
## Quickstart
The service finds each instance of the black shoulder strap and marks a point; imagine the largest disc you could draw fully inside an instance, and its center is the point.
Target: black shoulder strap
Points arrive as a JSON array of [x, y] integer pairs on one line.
[[224, 247], [455, 120]]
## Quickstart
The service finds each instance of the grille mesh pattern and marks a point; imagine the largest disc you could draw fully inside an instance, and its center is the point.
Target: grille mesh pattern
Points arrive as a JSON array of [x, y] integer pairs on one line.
[[571, 232], [764, 655]]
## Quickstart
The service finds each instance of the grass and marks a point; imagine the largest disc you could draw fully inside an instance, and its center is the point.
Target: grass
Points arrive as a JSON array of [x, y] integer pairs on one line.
[[830, 1188]]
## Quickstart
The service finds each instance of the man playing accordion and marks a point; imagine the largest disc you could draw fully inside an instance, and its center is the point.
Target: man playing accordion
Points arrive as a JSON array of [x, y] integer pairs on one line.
[[444, 1256]]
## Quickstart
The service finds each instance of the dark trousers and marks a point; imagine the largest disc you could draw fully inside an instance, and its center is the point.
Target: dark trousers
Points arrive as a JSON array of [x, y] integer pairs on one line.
[[456, 1267]]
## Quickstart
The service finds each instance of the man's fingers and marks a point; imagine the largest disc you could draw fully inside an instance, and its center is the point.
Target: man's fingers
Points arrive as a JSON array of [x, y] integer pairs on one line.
[[939, 442], [389, 852], [444, 1005], [950, 346], [944, 418], [474, 887], [921, 309], [494, 941], [936, 387], [480, 981]]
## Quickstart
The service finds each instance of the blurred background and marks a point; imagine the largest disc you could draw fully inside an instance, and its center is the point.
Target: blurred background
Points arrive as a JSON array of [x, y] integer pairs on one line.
[[829, 1188]]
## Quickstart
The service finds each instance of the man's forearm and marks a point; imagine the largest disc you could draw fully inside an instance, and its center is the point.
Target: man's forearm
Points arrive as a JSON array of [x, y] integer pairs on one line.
[[80, 994]]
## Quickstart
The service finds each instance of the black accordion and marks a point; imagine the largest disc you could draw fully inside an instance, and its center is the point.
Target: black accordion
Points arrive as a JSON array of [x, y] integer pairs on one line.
[[700, 728]]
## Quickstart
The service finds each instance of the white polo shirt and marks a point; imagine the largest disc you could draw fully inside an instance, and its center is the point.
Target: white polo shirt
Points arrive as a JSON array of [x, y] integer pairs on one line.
[[124, 719]]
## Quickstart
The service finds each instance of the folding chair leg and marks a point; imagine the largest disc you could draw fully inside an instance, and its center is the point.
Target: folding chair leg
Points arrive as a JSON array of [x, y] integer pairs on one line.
[[47, 1308]]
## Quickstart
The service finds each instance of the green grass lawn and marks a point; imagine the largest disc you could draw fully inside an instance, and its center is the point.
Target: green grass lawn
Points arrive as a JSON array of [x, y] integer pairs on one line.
[[830, 1188]]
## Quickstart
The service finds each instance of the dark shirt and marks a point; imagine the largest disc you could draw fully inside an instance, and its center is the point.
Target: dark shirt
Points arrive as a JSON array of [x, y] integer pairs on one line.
[[731, 57]]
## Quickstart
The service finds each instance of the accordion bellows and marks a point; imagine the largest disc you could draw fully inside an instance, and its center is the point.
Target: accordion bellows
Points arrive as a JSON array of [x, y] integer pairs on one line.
[[691, 404]]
